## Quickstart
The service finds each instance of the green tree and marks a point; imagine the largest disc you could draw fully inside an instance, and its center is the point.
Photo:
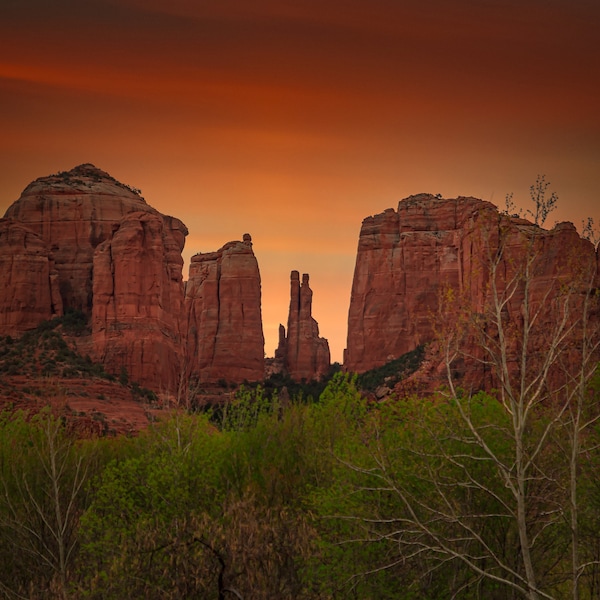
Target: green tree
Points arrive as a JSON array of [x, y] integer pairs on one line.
[[490, 483], [137, 534], [196, 512], [43, 472]]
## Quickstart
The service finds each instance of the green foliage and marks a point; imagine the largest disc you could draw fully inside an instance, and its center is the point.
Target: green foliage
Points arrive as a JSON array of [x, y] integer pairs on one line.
[[167, 519], [142, 392], [336, 498], [339, 414], [414, 493], [144, 499], [245, 408], [43, 477], [392, 372], [309, 391], [43, 352], [74, 322]]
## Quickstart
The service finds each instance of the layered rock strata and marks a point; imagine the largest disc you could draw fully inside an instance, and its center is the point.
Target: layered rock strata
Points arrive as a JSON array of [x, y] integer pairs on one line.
[[73, 212], [423, 268], [137, 309], [223, 310], [303, 354], [81, 240], [100, 249], [29, 290]]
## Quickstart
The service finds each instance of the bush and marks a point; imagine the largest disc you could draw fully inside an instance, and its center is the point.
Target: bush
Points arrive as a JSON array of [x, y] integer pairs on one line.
[[392, 372]]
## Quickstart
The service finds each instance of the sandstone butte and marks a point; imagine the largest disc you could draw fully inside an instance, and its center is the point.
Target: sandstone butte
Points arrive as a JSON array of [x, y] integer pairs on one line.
[[82, 240], [223, 314], [408, 259], [302, 353]]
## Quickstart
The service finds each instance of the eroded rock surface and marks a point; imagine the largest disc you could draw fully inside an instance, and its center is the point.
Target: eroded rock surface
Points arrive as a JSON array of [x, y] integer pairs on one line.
[[28, 280], [80, 240], [420, 268], [73, 212], [223, 308], [137, 314], [302, 353]]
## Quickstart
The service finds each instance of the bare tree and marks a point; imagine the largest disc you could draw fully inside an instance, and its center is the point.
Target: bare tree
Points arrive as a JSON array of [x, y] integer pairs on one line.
[[493, 485], [582, 413], [537, 338], [41, 501]]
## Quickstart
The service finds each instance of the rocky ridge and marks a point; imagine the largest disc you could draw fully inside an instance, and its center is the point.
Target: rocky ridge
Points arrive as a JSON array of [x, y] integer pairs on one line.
[[82, 241], [422, 266]]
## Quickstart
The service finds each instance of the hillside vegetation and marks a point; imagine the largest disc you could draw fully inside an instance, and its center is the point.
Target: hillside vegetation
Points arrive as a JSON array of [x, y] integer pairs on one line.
[[330, 499]]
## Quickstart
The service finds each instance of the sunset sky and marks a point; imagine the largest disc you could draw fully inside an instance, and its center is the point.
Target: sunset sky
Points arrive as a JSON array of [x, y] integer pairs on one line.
[[295, 120]]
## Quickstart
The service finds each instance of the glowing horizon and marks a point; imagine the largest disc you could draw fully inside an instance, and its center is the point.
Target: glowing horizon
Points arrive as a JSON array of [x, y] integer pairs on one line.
[[295, 121]]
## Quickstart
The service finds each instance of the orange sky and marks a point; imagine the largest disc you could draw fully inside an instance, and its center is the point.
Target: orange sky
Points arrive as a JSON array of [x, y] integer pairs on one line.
[[294, 120]]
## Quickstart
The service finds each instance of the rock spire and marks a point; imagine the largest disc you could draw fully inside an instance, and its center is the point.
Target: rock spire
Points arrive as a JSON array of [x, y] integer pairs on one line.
[[303, 353]]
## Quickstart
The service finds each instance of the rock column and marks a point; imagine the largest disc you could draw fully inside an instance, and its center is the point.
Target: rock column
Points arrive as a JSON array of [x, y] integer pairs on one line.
[[305, 355]]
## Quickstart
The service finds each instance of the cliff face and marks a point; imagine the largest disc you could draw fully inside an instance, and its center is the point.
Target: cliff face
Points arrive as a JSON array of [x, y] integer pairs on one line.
[[223, 308], [418, 269], [99, 248], [302, 353], [73, 212], [81, 240], [137, 310], [28, 280]]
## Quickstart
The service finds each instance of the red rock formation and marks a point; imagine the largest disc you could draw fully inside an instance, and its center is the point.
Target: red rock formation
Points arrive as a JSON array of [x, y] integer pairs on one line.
[[81, 240], [28, 281], [223, 308], [73, 212], [93, 244], [420, 267], [138, 301], [303, 353]]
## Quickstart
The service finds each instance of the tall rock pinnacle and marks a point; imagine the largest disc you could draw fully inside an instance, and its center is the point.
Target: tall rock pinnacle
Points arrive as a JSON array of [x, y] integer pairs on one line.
[[305, 355]]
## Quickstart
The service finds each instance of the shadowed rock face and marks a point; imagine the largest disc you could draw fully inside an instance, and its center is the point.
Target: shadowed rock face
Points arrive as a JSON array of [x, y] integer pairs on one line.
[[303, 353], [28, 280], [408, 261], [81, 240], [223, 308]]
